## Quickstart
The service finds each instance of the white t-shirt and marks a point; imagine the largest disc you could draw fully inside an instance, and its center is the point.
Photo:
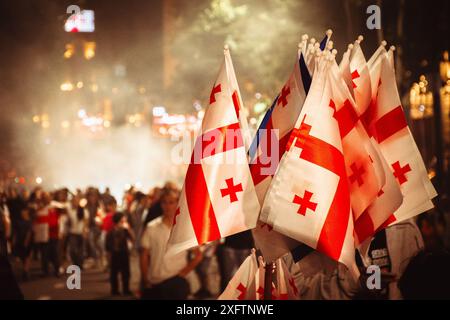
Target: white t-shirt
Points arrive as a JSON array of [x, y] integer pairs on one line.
[[154, 239], [76, 226]]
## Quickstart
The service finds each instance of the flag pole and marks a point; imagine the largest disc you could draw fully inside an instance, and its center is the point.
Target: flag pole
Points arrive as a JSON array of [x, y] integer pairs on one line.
[[268, 281]]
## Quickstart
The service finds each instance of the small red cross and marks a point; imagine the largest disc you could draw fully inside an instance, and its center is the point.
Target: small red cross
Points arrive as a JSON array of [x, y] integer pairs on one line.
[[212, 97], [305, 203], [400, 172], [175, 216], [231, 190], [294, 287], [355, 75], [356, 174], [242, 290], [283, 96]]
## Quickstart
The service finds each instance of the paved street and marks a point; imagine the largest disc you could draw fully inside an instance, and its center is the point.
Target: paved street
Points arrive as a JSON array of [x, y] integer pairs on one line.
[[94, 283]]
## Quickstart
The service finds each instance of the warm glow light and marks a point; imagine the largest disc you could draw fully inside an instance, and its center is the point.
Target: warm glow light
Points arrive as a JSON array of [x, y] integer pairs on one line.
[[80, 84], [45, 124], [70, 50], [106, 124], [36, 119], [65, 124], [89, 50], [38, 180], [94, 87], [66, 86]]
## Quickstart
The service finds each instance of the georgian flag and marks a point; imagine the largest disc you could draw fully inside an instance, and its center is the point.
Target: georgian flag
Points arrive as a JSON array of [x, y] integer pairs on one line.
[[243, 285], [218, 198], [399, 148], [389, 196], [285, 283], [267, 149], [407, 191], [361, 160], [309, 198]]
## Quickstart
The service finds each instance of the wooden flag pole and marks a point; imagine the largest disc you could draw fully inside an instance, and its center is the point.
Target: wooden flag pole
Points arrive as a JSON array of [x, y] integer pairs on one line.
[[268, 281]]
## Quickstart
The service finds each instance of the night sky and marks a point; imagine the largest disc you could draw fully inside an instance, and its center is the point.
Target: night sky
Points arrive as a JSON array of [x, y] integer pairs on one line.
[[129, 32]]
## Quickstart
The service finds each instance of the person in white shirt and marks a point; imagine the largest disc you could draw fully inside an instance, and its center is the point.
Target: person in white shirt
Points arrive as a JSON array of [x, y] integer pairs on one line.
[[77, 221], [163, 277]]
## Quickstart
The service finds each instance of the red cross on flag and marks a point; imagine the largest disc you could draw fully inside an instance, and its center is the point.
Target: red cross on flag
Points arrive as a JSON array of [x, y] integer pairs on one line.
[[309, 198], [389, 197], [218, 198], [398, 146], [274, 133], [285, 284], [243, 285], [362, 161]]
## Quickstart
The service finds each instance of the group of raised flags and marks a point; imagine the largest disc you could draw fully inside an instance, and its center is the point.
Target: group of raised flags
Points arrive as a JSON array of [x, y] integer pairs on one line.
[[332, 163]]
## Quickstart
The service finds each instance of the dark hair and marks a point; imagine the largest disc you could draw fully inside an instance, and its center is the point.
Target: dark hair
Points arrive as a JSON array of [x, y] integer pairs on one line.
[[427, 276], [117, 217]]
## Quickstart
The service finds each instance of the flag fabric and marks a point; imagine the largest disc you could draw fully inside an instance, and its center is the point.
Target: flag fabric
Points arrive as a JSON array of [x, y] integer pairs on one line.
[[218, 198], [285, 283], [360, 158], [399, 148], [309, 199], [407, 191], [243, 285], [267, 149], [271, 243], [389, 197]]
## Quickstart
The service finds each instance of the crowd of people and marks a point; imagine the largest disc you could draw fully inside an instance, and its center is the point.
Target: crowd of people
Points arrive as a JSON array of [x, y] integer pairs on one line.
[[91, 230]]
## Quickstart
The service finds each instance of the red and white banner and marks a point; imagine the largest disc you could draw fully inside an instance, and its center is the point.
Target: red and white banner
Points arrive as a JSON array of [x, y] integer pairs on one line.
[[243, 285], [309, 198], [274, 134], [218, 198]]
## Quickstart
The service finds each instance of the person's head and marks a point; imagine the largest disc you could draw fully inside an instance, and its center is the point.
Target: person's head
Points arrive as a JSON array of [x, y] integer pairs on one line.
[[111, 205], [426, 276], [119, 219], [25, 214], [92, 196], [46, 198], [169, 202]]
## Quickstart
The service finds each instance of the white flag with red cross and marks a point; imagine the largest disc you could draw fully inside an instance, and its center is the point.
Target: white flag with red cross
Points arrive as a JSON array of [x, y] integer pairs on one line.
[[309, 198], [269, 146], [361, 159], [218, 198], [399, 148], [389, 196], [285, 283], [407, 191], [243, 284]]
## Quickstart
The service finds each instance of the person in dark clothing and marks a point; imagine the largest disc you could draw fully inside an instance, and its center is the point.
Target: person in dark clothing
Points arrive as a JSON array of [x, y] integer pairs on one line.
[[23, 239], [9, 288], [230, 255], [119, 255], [426, 276]]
